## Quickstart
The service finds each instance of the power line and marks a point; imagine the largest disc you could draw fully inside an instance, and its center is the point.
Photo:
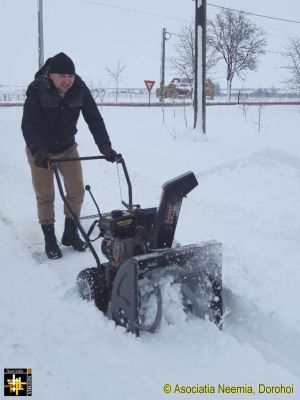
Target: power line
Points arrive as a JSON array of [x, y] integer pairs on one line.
[[267, 51], [184, 20], [133, 10], [256, 15]]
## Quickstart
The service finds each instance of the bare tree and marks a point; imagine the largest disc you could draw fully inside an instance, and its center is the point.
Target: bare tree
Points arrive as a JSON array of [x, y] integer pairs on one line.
[[244, 107], [115, 75], [98, 90], [293, 55], [259, 117], [238, 41], [183, 63]]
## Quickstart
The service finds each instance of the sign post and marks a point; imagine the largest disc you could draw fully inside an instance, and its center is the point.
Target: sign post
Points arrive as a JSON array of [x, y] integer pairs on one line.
[[200, 66], [40, 34], [149, 86]]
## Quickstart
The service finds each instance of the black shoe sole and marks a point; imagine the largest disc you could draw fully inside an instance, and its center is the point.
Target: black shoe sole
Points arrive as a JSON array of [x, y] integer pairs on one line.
[[54, 256], [67, 244]]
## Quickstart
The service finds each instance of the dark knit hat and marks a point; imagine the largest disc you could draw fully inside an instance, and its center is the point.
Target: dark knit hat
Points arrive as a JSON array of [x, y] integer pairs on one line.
[[61, 64]]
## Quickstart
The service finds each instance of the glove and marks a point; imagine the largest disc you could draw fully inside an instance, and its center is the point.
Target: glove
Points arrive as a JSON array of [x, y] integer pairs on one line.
[[109, 153], [41, 158]]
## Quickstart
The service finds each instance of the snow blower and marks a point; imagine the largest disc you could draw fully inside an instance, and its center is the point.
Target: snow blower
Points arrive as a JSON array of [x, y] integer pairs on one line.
[[137, 242]]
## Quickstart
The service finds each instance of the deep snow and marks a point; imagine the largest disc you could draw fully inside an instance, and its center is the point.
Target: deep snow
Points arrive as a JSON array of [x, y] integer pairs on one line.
[[248, 197]]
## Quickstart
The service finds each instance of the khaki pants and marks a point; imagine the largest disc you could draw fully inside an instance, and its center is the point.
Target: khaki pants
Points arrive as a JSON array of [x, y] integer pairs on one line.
[[43, 184]]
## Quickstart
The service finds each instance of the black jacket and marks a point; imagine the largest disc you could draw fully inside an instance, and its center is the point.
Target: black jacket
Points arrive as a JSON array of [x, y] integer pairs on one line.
[[49, 120]]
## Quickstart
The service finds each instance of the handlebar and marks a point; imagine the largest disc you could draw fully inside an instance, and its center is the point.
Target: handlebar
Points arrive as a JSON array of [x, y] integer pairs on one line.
[[53, 165], [119, 160]]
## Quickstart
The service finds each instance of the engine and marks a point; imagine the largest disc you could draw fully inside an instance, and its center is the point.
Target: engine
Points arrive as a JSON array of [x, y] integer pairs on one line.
[[138, 231], [126, 233]]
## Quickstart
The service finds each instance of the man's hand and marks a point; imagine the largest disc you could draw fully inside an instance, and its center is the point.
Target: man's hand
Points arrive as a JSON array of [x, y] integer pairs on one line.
[[109, 153], [41, 158]]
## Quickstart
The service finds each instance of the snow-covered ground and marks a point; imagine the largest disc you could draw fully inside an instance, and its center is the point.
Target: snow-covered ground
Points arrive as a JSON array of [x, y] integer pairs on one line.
[[248, 197]]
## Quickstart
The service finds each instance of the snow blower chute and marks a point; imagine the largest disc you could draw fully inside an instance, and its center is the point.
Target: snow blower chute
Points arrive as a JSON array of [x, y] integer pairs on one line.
[[137, 243]]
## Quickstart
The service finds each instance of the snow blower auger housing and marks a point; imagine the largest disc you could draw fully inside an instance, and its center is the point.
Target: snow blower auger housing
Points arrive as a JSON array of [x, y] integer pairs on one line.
[[137, 243]]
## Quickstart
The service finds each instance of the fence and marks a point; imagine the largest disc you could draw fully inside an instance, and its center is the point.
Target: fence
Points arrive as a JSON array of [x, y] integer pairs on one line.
[[272, 95], [140, 95], [12, 96]]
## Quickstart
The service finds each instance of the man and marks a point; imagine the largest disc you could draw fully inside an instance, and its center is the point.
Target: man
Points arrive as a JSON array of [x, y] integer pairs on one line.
[[51, 111]]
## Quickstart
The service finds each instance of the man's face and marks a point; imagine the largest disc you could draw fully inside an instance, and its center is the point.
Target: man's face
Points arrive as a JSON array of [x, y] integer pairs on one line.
[[62, 82]]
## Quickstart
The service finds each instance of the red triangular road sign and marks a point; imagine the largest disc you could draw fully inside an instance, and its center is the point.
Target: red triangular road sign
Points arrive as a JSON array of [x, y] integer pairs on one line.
[[149, 85]]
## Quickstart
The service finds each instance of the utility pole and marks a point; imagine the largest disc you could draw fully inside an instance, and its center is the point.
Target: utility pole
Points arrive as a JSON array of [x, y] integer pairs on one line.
[[40, 33], [200, 66], [162, 65]]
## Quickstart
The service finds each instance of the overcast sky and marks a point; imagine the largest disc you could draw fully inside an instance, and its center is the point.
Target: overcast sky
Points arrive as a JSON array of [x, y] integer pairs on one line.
[[97, 34]]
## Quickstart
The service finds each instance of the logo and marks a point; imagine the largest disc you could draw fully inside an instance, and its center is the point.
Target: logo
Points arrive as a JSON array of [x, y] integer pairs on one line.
[[17, 382], [170, 214]]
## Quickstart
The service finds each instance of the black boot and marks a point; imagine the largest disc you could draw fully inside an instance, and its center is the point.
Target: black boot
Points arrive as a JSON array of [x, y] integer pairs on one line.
[[71, 237], [51, 247]]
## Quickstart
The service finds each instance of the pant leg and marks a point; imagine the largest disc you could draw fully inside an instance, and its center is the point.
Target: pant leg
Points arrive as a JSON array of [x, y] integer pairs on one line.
[[43, 184], [73, 181]]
